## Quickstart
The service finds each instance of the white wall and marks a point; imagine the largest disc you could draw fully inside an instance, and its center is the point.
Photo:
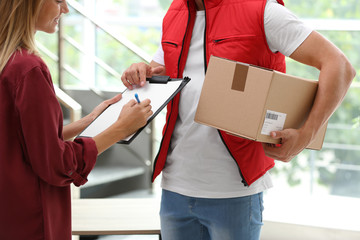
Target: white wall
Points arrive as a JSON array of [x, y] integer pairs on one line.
[[286, 231]]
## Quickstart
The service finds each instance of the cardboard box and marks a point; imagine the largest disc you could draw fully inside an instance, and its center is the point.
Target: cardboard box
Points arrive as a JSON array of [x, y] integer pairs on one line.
[[249, 101]]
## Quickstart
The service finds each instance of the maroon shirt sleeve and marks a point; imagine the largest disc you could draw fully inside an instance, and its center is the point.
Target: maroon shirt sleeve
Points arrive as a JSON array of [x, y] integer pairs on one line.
[[54, 160]]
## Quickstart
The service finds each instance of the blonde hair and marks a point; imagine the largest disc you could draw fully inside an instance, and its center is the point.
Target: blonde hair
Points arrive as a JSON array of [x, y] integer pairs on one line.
[[17, 27]]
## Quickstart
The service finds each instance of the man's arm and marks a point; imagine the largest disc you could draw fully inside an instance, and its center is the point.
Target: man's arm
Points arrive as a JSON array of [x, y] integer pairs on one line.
[[336, 75]]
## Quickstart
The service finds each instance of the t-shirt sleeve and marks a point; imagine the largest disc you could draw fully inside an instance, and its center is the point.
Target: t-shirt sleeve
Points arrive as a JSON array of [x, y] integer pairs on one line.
[[285, 32], [54, 160], [159, 55]]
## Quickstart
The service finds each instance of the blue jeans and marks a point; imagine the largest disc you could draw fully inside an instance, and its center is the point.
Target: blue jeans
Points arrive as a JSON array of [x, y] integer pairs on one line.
[[189, 218]]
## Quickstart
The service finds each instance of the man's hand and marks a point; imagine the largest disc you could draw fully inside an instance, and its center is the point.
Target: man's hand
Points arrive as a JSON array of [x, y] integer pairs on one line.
[[137, 73], [293, 141]]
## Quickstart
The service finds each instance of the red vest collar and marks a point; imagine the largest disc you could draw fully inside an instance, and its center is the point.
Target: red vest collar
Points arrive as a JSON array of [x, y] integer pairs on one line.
[[214, 3]]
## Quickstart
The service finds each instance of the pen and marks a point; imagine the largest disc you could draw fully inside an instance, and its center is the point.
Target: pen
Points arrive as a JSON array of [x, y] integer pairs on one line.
[[137, 97]]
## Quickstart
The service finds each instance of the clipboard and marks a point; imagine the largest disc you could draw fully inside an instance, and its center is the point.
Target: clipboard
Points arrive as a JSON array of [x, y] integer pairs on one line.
[[159, 89]]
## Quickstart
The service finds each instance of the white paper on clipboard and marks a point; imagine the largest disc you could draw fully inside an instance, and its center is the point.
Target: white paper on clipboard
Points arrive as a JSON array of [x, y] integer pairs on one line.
[[160, 94]]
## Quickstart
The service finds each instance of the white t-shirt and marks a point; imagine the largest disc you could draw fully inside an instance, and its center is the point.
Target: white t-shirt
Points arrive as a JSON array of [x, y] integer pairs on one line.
[[198, 163]]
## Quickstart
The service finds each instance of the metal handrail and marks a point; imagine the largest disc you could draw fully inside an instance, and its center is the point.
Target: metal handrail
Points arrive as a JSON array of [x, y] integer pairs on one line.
[[68, 69], [69, 103], [123, 40], [97, 60], [61, 36]]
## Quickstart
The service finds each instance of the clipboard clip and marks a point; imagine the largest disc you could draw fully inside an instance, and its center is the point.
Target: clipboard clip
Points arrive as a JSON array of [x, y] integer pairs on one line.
[[158, 79]]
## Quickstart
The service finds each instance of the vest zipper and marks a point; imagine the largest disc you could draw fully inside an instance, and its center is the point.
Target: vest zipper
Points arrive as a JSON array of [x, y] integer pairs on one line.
[[183, 41], [162, 140], [205, 59], [205, 66], [172, 101], [242, 176]]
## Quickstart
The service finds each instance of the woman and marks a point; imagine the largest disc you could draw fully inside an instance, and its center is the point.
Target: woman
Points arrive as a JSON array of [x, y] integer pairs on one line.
[[37, 165]]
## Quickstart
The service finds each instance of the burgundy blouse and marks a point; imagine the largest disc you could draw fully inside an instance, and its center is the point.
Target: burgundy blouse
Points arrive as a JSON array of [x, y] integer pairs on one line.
[[36, 165]]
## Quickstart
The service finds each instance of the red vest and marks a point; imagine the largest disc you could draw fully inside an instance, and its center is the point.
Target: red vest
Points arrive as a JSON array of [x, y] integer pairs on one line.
[[234, 30]]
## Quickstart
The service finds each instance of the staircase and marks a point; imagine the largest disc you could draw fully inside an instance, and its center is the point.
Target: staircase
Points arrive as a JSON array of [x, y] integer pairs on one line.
[[121, 168]]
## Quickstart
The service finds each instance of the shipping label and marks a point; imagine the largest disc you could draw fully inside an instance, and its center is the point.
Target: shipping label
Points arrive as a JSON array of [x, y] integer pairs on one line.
[[274, 121]]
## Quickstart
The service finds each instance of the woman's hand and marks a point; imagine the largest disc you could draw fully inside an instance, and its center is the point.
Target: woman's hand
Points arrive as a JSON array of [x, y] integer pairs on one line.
[[102, 106], [73, 129], [132, 117]]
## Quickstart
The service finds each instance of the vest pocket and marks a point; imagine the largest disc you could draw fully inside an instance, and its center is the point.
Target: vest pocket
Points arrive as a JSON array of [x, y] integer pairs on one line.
[[232, 39], [239, 48], [169, 44]]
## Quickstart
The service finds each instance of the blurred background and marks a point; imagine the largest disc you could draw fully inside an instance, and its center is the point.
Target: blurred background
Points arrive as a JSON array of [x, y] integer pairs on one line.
[[99, 39]]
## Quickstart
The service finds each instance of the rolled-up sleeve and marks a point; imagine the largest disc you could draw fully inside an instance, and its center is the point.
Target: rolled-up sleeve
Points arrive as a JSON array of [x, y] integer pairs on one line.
[[79, 174]]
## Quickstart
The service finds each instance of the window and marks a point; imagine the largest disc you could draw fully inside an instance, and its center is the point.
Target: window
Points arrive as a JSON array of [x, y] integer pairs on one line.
[[331, 175], [326, 179]]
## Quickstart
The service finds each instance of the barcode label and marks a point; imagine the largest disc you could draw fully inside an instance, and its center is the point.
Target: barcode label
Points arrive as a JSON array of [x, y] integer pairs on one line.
[[272, 116], [274, 121]]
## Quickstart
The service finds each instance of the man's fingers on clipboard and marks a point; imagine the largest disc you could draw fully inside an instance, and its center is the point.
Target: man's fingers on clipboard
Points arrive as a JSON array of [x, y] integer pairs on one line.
[[137, 71], [126, 82], [135, 75], [159, 70], [130, 76]]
